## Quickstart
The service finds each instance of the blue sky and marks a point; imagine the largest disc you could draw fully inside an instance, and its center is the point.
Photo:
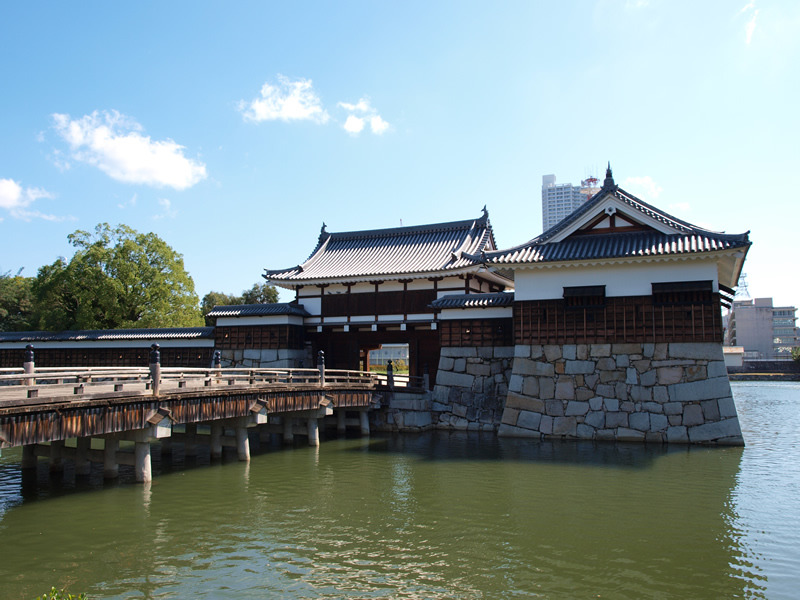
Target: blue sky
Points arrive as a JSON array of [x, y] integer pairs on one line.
[[233, 130]]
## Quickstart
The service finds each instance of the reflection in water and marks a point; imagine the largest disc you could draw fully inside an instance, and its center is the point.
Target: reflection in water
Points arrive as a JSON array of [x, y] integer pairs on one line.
[[426, 516]]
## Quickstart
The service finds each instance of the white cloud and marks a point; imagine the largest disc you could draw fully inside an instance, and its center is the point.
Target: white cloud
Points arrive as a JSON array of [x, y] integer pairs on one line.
[[643, 187], [16, 200], [750, 26], [115, 144], [287, 101], [378, 125], [168, 212], [355, 124]]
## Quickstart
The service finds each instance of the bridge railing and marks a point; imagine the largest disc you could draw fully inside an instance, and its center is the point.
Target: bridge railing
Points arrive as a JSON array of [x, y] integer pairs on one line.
[[62, 381]]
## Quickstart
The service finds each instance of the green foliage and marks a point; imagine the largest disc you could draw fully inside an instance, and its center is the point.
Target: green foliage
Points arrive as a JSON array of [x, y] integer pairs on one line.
[[16, 302], [117, 278], [260, 293], [55, 594], [796, 354]]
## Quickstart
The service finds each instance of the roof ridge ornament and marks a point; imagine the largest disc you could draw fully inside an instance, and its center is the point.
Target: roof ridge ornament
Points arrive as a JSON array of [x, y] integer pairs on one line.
[[485, 213], [608, 182]]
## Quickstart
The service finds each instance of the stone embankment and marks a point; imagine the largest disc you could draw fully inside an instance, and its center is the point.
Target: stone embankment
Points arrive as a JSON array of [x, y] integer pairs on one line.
[[263, 358], [667, 392], [471, 387]]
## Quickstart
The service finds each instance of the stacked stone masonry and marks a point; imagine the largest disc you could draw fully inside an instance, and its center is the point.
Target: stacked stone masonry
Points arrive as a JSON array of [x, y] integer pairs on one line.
[[263, 358], [662, 392], [471, 387]]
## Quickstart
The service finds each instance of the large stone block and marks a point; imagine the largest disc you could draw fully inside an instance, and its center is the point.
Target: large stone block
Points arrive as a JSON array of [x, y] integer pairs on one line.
[[709, 389], [445, 363], [641, 394], [485, 352], [605, 435], [529, 420], [547, 388], [717, 368], [631, 376], [530, 386], [606, 390], [583, 394], [460, 365], [569, 351], [692, 415], [596, 403], [727, 408], [552, 352], [612, 376], [521, 351], [565, 426], [503, 351], [576, 409], [516, 382], [639, 421], [696, 373], [565, 389], [611, 404], [606, 364], [583, 367], [591, 380], [546, 425], [554, 408], [629, 435], [582, 351], [673, 408], [479, 369], [653, 407], [616, 419], [669, 375], [658, 423], [584, 432], [524, 366], [648, 378], [626, 349], [510, 416], [596, 419], [537, 351], [710, 410], [417, 419], [677, 435], [600, 350], [696, 350], [524, 402], [255, 354], [452, 379], [510, 431], [727, 430], [459, 351], [641, 365], [660, 394]]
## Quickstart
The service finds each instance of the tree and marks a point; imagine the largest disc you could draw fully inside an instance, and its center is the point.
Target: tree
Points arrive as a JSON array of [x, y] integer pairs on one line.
[[260, 293], [16, 302], [118, 278]]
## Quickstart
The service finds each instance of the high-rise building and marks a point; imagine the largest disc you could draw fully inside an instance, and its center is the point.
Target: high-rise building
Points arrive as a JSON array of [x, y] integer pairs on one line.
[[766, 332], [561, 200]]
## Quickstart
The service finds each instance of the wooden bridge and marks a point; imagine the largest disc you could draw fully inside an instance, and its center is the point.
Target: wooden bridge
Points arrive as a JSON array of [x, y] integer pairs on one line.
[[40, 411]]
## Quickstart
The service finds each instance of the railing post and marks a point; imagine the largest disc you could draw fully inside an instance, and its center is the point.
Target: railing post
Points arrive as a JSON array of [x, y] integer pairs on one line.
[[426, 377], [321, 366], [155, 367], [390, 374], [28, 365]]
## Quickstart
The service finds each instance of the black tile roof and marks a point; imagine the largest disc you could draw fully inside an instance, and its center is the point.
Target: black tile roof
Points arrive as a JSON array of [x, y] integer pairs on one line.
[[439, 247], [102, 335], [258, 310], [474, 300], [684, 239]]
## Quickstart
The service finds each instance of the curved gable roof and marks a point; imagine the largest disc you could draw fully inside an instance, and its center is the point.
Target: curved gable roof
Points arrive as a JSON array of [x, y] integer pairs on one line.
[[391, 253], [661, 235]]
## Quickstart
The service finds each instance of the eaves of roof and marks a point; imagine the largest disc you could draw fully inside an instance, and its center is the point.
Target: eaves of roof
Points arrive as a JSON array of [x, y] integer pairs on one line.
[[172, 333], [259, 310], [474, 300]]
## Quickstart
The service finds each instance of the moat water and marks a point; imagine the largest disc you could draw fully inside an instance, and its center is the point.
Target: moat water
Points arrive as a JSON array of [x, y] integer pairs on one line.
[[425, 516]]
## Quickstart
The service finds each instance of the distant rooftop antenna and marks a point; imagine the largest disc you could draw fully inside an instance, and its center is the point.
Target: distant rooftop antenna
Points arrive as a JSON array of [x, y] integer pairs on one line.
[[742, 293]]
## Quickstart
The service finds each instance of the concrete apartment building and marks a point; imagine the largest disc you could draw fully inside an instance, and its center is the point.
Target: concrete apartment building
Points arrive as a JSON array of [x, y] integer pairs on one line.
[[766, 332], [561, 200]]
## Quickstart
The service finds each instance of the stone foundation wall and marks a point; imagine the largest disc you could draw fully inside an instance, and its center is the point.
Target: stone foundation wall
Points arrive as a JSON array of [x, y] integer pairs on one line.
[[471, 387], [263, 358], [403, 411], [663, 392]]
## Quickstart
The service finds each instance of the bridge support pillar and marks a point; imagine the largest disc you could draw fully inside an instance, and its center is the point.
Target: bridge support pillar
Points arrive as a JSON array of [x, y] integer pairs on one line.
[[363, 418], [190, 443], [216, 440], [110, 466], [82, 464], [288, 430], [341, 427], [313, 432], [29, 457], [242, 442], [56, 451], [142, 464]]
